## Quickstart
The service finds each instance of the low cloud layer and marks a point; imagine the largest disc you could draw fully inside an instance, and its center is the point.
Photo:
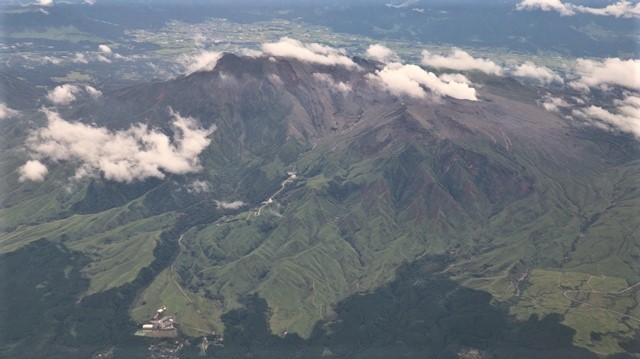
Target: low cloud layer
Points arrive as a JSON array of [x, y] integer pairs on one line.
[[105, 49], [624, 115], [101, 55], [546, 5], [624, 8], [7, 112], [67, 93], [33, 171], [45, 2], [202, 61], [250, 52], [540, 74], [80, 58], [610, 71], [382, 53], [51, 60], [402, 5], [460, 60], [554, 104], [199, 186], [455, 78], [63, 94], [413, 81], [125, 156], [230, 205], [93, 92], [333, 85], [106, 54], [311, 53]]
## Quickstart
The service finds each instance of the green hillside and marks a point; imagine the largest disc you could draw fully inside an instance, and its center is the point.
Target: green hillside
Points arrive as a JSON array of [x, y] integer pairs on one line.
[[533, 218]]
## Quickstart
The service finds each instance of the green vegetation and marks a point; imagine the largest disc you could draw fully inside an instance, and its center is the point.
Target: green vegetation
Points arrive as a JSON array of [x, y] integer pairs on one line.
[[421, 313], [35, 203], [359, 214], [40, 284], [63, 33], [73, 76], [118, 244], [421, 235], [120, 264], [606, 303], [164, 292]]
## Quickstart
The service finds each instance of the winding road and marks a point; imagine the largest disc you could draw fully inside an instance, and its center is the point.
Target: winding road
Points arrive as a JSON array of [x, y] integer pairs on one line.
[[566, 293], [291, 177]]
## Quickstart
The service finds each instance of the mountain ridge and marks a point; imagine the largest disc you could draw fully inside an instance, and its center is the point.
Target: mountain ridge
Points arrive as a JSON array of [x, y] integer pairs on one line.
[[381, 181]]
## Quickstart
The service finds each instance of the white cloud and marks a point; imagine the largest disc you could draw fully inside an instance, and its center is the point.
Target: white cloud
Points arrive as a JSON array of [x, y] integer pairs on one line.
[[546, 5], [80, 58], [382, 53], [199, 40], [90, 2], [103, 58], [52, 60], [460, 60], [625, 115], [33, 170], [275, 79], [312, 53], [610, 71], [539, 73], [106, 54], [251, 52], [126, 155], [93, 92], [402, 5], [553, 104], [624, 8], [199, 186], [63, 94], [7, 112], [45, 2], [230, 205], [455, 78], [630, 100], [334, 85], [105, 49], [202, 61], [411, 80]]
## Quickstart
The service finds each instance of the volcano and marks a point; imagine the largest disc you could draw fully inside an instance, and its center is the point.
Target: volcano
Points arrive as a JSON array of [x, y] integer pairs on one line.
[[510, 200]]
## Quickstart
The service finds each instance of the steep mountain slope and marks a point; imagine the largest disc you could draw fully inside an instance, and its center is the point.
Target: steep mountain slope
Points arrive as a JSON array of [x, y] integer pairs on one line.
[[522, 204]]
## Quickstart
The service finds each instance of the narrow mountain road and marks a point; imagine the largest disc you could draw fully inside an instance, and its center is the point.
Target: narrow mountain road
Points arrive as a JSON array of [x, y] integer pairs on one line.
[[566, 294], [291, 178]]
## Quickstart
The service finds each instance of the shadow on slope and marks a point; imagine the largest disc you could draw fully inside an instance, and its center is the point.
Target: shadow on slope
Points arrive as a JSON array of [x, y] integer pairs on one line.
[[421, 314], [43, 313]]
